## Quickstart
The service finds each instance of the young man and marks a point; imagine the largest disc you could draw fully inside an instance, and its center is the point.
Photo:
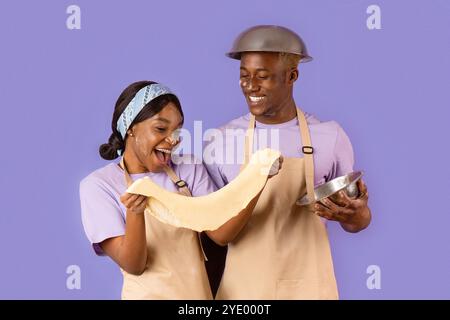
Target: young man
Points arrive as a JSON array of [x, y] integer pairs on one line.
[[282, 250]]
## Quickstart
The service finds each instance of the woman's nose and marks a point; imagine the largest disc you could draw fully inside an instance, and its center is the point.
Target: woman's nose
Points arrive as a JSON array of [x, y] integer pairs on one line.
[[173, 138], [170, 140]]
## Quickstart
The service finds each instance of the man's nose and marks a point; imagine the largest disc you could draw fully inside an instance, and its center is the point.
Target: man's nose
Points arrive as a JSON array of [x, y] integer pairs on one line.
[[252, 84]]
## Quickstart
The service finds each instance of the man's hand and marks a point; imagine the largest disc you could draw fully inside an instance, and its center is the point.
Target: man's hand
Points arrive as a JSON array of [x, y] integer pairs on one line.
[[353, 214], [276, 167]]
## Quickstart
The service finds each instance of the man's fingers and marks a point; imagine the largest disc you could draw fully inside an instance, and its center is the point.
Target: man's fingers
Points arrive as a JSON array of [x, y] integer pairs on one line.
[[362, 187], [345, 198], [276, 167], [280, 159], [341, 200], [326, 213], [341, 213], [322, 213], [329, 204]]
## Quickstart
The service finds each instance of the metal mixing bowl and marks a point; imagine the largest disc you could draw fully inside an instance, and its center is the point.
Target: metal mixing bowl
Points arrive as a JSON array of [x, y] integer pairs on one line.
[[332, 187]]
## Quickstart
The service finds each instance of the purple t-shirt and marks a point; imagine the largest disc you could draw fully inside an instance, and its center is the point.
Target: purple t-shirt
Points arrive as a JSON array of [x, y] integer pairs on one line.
[[333, 153], [103, 214]]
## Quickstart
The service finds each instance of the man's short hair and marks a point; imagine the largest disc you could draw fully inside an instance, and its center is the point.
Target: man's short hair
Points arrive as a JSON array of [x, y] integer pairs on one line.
[[289, 59]]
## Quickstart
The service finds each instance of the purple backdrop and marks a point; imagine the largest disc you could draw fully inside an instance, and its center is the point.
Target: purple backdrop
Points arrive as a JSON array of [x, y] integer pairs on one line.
[[388, 88]]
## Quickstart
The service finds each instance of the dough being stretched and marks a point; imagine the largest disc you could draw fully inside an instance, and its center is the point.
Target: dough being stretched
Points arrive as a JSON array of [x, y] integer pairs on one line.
[[213, 210]]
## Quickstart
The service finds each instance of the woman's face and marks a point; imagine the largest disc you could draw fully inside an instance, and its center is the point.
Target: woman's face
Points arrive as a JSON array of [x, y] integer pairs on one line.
[[153, 140]]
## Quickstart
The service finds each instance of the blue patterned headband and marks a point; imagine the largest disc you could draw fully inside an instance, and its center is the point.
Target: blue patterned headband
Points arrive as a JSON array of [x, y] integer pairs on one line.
[[142, 97]]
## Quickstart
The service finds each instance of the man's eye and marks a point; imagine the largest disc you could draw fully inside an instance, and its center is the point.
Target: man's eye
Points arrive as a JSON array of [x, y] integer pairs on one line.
[[243, 76], [263, 77]]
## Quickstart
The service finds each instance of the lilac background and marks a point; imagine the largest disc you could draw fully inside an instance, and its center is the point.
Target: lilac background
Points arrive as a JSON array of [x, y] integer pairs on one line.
[[388, 88]]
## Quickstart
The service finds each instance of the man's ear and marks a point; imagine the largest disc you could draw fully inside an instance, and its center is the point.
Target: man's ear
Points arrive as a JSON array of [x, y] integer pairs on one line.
[[293, 75]]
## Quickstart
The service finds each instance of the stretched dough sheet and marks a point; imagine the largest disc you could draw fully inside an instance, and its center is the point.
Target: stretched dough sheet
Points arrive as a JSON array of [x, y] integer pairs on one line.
[[213, 210]]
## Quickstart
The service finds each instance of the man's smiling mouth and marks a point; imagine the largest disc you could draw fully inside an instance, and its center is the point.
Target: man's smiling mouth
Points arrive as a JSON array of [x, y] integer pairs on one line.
[[256, 99]]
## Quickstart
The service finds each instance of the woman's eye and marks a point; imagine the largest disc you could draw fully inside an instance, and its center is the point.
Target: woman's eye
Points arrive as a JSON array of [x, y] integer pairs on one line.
[[161, 129], [263, 77]]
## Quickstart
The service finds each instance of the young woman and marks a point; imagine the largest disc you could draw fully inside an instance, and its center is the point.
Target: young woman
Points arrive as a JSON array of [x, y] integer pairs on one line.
[[158, 261]]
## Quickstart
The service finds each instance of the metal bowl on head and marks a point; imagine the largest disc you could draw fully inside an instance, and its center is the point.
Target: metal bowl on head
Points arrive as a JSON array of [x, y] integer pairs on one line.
[[332, 187]]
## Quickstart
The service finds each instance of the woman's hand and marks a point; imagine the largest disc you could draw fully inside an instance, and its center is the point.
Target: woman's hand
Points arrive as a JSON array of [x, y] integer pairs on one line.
[[133, 202]]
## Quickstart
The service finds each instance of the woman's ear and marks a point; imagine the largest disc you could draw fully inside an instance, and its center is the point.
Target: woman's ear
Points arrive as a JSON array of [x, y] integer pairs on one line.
[[130, 132]]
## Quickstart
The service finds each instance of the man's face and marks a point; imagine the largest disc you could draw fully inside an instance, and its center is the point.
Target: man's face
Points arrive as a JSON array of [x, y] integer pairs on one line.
[[264, 80]]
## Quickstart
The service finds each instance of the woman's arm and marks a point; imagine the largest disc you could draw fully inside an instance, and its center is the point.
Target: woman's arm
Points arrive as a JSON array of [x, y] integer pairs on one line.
[[130, 250]]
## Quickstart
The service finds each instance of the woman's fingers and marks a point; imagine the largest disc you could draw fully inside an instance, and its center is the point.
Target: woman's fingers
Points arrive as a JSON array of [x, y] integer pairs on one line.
[[128, 198], [138, 205], [141, 202], [134, 202]]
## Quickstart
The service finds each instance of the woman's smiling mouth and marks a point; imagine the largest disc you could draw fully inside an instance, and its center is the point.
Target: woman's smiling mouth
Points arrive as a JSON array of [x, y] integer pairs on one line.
[[163, 155]]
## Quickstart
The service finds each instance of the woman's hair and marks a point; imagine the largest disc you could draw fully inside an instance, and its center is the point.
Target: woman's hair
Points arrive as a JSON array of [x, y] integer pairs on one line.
[[108, 151]]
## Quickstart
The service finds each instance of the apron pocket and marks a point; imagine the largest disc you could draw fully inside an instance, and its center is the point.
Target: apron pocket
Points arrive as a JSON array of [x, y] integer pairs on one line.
[[300, 289]]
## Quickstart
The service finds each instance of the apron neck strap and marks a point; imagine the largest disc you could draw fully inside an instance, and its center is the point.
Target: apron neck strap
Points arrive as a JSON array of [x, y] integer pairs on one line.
[[181, 184], [307, 149], [248, 148], [125, 171]]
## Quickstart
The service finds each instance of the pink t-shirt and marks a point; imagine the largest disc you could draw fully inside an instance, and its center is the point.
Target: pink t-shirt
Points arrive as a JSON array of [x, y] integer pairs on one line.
[[103, 214]]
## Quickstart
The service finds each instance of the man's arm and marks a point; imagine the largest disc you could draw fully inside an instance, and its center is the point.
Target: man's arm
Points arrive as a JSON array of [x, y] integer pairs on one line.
[[230, 229]]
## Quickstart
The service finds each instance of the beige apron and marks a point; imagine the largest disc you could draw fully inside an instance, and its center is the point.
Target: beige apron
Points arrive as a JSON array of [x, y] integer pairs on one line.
[[175, 265], [283, 252]]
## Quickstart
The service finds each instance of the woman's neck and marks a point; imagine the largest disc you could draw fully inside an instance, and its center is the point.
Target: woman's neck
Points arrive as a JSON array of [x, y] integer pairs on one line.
[[132, 164]]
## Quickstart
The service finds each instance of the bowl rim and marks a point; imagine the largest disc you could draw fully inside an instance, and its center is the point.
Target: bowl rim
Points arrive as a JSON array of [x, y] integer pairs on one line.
[[348, 179]]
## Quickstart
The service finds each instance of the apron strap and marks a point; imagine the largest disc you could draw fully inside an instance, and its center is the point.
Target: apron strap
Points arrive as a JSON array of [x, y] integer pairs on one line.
[[127, 175], [181, 184], [248, 147], [182, 188], [307, 150]]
